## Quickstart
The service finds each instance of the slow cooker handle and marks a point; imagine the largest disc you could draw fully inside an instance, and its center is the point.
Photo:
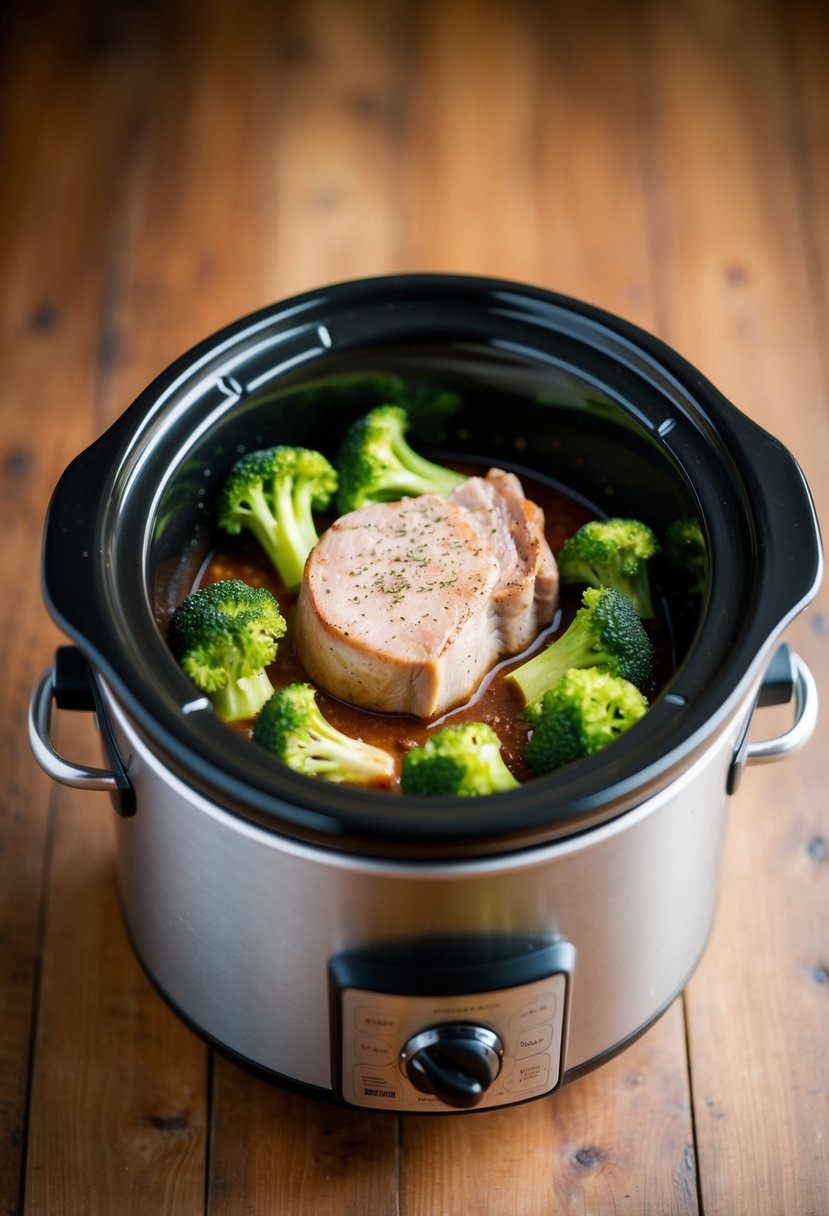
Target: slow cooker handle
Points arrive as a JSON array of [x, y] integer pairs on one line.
[[802, 683], [71, 685]]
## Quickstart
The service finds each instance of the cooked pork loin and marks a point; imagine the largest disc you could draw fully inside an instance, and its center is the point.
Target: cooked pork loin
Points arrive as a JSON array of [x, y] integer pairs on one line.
[[393, 608], [526, 595], [406, 605]]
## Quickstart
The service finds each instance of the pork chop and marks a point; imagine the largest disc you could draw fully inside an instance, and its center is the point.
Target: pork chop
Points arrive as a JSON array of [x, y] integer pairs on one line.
[[526, 594], [404, 606]]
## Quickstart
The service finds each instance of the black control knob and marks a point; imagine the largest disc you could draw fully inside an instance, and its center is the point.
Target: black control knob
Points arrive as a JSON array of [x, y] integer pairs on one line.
[[456, 1062]]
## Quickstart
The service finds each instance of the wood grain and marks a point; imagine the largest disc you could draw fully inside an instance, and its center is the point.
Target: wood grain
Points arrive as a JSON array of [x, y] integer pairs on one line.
[[168, 169], [806, 39], [595, 196], [54, 243], [471, 140], [280, 1152], [192, 200], [333, 165]]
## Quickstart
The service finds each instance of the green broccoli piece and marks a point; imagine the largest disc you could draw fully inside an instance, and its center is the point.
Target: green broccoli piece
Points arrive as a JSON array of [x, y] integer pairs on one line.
[[606, 632], [685, 549], [376, 464], [292, 727], [464, 760], [224, 636], [273, 494], [427, 405], [580, 715], [612, 553]]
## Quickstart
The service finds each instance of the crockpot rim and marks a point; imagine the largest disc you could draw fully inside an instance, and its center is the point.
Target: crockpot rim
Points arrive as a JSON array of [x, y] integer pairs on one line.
[[605, 785]]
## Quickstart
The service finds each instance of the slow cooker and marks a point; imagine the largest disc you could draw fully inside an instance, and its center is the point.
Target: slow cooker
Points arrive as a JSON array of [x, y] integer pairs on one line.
[[426, 954]]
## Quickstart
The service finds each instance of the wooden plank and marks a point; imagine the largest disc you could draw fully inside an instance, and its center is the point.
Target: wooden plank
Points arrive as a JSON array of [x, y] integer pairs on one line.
[[806, 38], [332, 162], [469, 204], [731, 239], [195, 195], [741, 307], [594, 239], [54, 230], [275, 1151]]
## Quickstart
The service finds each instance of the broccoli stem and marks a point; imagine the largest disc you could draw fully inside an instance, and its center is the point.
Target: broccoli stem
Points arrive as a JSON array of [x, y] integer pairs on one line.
[[424, 477], [638, 588], [260, 521], [326, 752], [242, 697], [290, 548], [279, 536], [303, 499], [573, 649]]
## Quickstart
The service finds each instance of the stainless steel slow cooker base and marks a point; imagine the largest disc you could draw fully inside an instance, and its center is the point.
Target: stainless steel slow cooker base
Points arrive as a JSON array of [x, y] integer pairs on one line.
[[319, 969], [239, 926]]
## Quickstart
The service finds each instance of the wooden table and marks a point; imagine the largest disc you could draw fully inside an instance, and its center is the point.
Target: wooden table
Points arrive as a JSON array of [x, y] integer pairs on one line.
[[167, 168]]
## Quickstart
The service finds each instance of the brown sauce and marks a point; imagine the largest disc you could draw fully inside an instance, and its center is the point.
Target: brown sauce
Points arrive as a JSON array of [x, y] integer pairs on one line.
[[496, 701]]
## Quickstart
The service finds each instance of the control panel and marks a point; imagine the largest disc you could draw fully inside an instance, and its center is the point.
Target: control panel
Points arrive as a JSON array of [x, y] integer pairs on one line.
[[421, 1051]]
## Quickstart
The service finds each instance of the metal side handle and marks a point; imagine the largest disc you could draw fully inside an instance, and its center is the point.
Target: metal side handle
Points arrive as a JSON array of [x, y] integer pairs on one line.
[[787, 676], [114, 781], [805, 719]]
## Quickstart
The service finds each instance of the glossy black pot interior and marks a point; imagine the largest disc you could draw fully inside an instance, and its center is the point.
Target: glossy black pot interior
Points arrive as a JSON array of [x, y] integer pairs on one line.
[[542, 383]]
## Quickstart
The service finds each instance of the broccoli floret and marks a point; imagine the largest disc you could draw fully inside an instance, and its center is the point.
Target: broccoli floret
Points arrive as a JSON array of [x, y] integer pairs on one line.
[[224, 636], [292, 727], [376, 464], [612, 553], [685, 549], [464, 760], [606, 632], [580, 715], [273, 493], [427, 406]]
